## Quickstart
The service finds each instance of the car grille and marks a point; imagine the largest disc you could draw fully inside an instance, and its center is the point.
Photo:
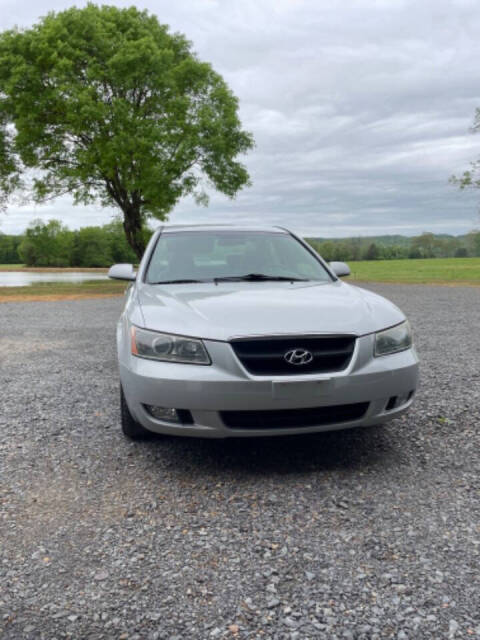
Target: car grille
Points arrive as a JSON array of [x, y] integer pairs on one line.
[[266, 356], [293, 418]]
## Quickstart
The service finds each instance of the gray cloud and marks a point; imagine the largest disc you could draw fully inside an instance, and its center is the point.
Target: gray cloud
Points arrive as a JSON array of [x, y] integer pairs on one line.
[[360, 111]]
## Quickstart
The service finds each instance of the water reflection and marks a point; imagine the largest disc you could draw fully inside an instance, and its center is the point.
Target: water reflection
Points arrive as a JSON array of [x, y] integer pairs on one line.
[[26, 278]]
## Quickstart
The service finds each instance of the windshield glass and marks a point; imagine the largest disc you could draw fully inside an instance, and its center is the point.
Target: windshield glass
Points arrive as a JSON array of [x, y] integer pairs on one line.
[[208, 255]]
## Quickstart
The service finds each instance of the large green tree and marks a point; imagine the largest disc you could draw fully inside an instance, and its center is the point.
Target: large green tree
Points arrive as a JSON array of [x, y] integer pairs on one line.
[[109, 106]]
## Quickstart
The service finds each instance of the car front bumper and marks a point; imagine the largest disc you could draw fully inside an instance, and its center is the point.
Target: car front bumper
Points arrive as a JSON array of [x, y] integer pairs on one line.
[[207, 391]]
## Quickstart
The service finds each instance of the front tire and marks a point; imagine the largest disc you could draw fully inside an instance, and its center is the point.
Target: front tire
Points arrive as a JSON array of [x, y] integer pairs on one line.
[[130, 427]]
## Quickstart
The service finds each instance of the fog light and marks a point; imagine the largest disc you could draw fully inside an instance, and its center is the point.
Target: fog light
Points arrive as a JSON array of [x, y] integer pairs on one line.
[[391, 403], [403, 399], [163, 413]]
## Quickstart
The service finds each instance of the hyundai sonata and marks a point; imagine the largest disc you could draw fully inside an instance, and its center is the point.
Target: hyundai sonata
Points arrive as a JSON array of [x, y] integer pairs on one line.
[[241, 331]]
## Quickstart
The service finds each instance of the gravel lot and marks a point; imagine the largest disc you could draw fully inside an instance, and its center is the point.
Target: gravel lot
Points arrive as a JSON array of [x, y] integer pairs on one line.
[[362, 534]]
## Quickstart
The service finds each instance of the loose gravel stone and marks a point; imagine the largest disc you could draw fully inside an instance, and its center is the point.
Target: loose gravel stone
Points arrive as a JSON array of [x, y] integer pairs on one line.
[[361, 534]]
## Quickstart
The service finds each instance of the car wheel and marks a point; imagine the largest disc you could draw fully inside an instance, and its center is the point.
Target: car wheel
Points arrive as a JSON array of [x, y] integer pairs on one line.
[[130, 426]]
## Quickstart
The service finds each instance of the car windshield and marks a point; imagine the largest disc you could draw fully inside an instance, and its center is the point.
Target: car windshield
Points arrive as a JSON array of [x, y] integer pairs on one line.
[[213, 255]]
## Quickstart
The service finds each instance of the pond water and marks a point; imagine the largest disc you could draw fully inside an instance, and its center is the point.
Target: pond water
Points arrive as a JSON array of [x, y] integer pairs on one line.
[[26, 278]]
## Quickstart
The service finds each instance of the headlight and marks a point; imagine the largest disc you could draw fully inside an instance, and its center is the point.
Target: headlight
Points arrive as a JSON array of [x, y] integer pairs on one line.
[[167, 347], [394, 339]]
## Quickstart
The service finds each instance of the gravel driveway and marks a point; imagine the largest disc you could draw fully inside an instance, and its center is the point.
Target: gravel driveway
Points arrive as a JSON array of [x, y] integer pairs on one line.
[[360, 534]]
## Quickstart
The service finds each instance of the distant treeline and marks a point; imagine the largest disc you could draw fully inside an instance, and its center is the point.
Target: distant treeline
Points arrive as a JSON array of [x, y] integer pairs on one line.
[[426, 245], [51, 244]]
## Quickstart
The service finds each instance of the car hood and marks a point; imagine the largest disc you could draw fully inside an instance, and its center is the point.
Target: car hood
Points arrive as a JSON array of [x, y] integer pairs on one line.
[[233, 309]]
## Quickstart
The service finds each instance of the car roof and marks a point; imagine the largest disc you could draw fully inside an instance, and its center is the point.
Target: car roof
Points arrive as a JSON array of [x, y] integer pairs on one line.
[[221, 227]]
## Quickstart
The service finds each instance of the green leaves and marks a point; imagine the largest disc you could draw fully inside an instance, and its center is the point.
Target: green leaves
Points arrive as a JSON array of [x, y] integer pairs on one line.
[[109, 106], [471, 177]]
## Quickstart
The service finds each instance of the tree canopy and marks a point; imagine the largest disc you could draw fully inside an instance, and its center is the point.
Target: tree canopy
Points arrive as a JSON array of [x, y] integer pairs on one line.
[[51, 244], [109, 106]]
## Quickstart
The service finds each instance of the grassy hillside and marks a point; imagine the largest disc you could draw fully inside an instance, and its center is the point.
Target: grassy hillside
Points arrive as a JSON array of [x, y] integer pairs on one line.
[[433, 271]]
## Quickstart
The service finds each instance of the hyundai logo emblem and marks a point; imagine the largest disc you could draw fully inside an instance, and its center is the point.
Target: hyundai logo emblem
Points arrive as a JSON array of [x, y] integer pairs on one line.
[[298, 356]]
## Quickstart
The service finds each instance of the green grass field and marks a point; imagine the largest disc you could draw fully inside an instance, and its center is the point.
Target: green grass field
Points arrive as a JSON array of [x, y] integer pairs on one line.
[[56, 290], [430, 271]]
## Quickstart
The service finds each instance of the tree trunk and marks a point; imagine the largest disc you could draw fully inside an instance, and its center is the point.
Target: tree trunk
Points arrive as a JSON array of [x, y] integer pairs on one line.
[[132, 224]]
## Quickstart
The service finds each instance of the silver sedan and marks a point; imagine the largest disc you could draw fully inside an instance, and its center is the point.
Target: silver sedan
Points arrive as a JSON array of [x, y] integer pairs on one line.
[[241, 331]]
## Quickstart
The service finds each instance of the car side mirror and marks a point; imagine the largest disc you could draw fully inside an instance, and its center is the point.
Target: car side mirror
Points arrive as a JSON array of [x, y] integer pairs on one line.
[[340, 269], [122, 272]]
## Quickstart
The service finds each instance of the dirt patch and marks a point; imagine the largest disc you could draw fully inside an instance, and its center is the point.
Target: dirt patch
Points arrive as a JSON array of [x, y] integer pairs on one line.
[[43, 508], [24, 345]]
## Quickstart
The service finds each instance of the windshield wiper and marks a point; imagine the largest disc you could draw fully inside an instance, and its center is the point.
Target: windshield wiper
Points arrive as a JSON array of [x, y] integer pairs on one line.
[[259, 277], [181, 281], [248, 277]]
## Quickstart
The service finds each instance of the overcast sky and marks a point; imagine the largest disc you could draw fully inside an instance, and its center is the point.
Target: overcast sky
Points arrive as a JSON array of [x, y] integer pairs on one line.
[[360, 110]]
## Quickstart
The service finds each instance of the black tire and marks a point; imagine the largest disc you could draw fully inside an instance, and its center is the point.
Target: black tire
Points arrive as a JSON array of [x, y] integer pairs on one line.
[[130, 426]]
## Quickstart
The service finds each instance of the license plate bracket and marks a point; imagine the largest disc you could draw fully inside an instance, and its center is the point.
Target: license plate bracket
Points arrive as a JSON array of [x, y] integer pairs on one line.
[[301, 389]]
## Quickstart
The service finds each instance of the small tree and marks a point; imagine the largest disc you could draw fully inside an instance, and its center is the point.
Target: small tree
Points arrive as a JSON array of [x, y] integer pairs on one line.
[[9, 249], [92, 248], [371, 252], [46, 245], [108, 106], [425, 244], [473, 243]]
